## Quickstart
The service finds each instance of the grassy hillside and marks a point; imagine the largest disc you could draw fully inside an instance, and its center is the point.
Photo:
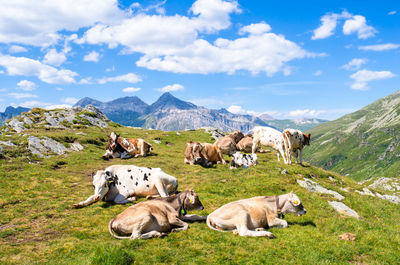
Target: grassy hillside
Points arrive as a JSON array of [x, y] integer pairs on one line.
[[37, 224], [363, 144]]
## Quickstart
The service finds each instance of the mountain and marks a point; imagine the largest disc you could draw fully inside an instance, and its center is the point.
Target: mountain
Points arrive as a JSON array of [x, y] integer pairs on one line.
[[303, 125], [168, 101], [11, 112], [370, 137]]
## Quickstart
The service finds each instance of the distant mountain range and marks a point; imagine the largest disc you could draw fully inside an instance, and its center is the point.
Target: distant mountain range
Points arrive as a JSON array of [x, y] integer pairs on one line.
[[170, 113], [11, 112], [364, 144]]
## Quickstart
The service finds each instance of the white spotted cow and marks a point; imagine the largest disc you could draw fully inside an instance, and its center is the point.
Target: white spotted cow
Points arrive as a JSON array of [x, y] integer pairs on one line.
[[124, 183], [271, 137], [243, 160], [295, 140]]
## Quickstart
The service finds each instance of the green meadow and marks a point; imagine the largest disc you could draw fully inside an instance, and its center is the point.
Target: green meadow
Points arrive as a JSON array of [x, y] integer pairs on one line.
[[38, 225]]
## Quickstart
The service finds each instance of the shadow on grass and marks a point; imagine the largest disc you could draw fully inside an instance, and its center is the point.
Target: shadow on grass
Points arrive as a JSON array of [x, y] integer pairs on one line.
[[310, 223]]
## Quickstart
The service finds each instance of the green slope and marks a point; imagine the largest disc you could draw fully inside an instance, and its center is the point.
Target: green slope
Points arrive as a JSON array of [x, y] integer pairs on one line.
[[37, 224], [362, 144]]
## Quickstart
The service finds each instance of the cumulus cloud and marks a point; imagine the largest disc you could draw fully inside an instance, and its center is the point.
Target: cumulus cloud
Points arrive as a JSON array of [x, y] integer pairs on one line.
[[391, 13], [358, 24], [16, 49], [305, 113], [362, 77], [129, 78], [22, 95], [56, 106], [92, 57], [26, 22], [26, 85], [131, 89], [174, 87], [354, 64], [379, 47], [29, 67], [70, 100], [54, 58], [235, 109], [353, 24], [255, 29]]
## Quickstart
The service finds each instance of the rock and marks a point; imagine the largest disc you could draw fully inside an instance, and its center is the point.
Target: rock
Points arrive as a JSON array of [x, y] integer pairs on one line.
[[157, 141], [343, 209], [315, 187], [391, 198], [348, 237], [99, 114], [95, 121], [344, 189], [44, 146], [81, 133], [284, 172], [76, 147], [17, 125], [8, 143], [332, 179], [178, 133], [28, 121], [389, 184], [215, 133], [366, 192]]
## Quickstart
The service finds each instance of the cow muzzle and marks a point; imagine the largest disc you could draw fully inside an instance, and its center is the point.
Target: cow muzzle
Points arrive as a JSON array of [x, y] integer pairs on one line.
[[304, 211]]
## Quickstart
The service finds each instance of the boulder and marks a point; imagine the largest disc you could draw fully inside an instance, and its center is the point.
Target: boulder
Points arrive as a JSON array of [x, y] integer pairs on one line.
[[315, 187], [388, 184], [343, 209], [17, 125]]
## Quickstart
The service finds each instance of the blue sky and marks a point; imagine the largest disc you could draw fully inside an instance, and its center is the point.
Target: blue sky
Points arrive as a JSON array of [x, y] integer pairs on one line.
[[290, 59]]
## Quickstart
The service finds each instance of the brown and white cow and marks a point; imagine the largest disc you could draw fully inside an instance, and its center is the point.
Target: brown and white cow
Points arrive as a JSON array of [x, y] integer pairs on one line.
[[157, 217], [271, 137], [227, 144], [203, 154], [126, 147], [295, 140]]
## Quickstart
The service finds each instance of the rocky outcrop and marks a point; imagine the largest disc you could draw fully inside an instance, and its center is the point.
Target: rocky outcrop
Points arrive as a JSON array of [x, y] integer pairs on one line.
[[215, 133], [389, 184], [46, 146], [343, 209], [315, 187]]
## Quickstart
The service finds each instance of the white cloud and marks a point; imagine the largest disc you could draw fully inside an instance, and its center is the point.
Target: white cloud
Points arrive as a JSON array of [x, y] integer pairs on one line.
[[305, 113], [129, 78], [26, 85], [28, 22], [29, 67], [354, 64], [358, 24], [70, 100], [255, 29], [86, 81], [92, 57], [57, 106], [353, 24], [317, 73], [59, 88], [235, 109], [391, 13], [362, 77], [174, 87], [22, 95], [379, 47], [131, 89], [54, 58], [16, 49]]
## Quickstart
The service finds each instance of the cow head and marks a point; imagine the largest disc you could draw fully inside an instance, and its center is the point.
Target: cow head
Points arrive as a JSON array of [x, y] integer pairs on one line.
[[293, 205], [237, 136], [111, 146], [307, 138], [195, 151], [192, 201], [101, 183]]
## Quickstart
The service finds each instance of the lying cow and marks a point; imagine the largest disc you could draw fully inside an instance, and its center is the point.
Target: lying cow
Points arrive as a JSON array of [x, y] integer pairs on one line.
[[126, 147], [203, 154], [123, 183], [296, 140], [227, 144], [243, 160], [250, 217], [271, 137], [155, 218], [245, 144]]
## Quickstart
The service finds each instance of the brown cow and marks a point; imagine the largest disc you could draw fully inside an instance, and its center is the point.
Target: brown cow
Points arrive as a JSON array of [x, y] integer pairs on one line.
[[227, 144], [203, 154], [126, 147], [295, 140], [245, 144], [155, 218]]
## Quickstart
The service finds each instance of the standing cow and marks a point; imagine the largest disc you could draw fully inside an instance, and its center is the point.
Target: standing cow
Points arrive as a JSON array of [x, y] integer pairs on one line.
[[295, 140], [269, 137], [123, 183]]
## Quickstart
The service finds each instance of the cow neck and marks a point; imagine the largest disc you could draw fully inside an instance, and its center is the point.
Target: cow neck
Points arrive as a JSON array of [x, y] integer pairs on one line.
[[278, 208], [181, 210]]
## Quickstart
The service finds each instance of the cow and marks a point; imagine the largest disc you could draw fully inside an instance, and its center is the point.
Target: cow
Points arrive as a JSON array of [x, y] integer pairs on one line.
[[204, 154], [269, 137], [157, 217], [245, 144], [295, 141], [243, 160], [250, 217], [126, 147], [227, 144], [123, 183]]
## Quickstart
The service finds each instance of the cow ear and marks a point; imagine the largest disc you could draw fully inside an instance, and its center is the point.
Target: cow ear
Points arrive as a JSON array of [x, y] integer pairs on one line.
[[108, 173], [93, 174]]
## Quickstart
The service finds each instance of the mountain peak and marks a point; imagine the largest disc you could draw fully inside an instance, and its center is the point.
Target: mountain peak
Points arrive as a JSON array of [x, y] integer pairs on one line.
[[168, 101]]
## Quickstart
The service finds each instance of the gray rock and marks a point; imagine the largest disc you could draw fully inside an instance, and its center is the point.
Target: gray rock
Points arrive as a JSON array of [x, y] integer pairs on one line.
[[391, 198], [157, 141], [342, 208], [8, 143], [366, 192], [44, 146], [389, 184], [284, 172], [28, 121], [76, 147], [332, 179], [17, 125], [315, 187], [95, 121], [99, 114]]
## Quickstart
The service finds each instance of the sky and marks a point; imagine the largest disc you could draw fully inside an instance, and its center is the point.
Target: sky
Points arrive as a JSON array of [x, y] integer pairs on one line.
[[288, 59]]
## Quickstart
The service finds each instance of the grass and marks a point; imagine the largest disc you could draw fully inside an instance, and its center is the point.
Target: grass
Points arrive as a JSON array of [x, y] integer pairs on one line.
[[37, 224]]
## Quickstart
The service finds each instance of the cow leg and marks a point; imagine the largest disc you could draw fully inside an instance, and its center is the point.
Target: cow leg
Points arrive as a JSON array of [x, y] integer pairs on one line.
[[125, 155], [254, 146], [175, 221], [150, 234], [120, 199], [193, 218], [90, 200], [141, 225], [279, 223], [243, 230], [162, 190], [301, 156], [283, 156]]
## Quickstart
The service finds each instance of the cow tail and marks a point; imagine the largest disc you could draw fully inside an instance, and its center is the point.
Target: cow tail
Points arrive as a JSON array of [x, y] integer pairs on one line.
[[211, 226], [286, 143], [112, 232]]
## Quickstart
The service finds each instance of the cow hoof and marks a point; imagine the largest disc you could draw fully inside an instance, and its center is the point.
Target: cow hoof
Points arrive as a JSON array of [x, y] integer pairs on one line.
[[77, 206]]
